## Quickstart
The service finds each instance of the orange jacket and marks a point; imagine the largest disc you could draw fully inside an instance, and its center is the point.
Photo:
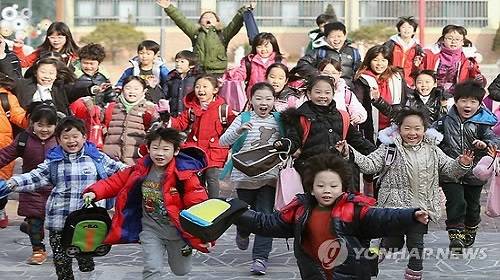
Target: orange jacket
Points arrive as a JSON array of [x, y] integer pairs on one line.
[[17, 117]]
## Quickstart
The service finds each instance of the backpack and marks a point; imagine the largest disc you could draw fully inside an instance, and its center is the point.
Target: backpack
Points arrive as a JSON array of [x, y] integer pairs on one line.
[[248, 67], [4, 99], [22, 139], [390, 155], [223, 113]]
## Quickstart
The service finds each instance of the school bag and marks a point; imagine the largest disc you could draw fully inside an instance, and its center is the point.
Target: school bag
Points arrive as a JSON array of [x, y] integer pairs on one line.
[[223, 113], [85, 230], [4, 100]]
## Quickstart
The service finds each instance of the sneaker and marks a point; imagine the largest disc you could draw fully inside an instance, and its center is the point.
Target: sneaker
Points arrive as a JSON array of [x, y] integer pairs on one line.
[[470, 235], [259, 267], [242, 242], [457, 241], [412, 274], [38, 257], [4, 219]]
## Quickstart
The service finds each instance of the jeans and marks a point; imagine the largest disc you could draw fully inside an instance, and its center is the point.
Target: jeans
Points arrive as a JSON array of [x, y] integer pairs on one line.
[[463, 207], [63, 263], [154, 246], [212, 178], [36, 232], [260, 200]]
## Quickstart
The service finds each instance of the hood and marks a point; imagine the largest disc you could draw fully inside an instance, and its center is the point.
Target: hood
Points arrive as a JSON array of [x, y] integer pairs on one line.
[[190, 159], [191, 101], [390, 135], [57, 153], [157, 63], [398, 40], [321, 42], [258, 59], [482, 116], [313, 34]]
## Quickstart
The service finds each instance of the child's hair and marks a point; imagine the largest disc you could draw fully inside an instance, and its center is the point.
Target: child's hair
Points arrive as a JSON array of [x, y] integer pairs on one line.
[[6, 82], [408, 111], [371, 54], [165, 134], [92, 52], [68, 123], [280, 66], [38, 111], [135, 78], [410, 20], [469, 88], [190, 56], [263, 37], [323, 19], [211, 78], [459, 29], [64, 74], [336, 64], [209, 12], [428, 72], [62, 29], [312, 82], [332, 26], [327, 162], [261, 86], [149, 45]]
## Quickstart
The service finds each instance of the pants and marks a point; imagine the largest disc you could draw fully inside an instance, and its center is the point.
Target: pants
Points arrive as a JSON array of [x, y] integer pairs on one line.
[[36, 232], [154, 246], [260, 200], [63, 263], [211, 176], [462, 205], [3, 202], [414, 244]]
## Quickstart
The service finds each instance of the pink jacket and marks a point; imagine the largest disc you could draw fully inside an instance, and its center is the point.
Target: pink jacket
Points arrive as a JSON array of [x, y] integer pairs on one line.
[[487, 168], [346, 100], [258, 69]]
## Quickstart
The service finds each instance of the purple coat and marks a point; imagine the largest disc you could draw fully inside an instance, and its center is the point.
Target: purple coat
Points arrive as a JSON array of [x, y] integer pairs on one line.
[[31, 204]]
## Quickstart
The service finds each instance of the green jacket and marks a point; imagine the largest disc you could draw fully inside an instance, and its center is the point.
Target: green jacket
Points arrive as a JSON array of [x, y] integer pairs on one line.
[[209, 44]]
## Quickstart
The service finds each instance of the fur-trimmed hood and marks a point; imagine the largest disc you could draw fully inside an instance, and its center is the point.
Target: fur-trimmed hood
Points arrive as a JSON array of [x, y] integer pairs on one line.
[[391, 135]]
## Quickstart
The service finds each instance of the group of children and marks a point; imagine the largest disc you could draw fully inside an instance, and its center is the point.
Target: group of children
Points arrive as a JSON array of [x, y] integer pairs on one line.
[[158, 141]]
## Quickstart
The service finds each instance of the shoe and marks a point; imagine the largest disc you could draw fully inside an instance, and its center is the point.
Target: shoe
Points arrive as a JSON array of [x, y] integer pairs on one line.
[[23, 227], [4, 219], [412, 274], [242, 242], [457, 241], [470, 235], [38, 257], [259, 267]]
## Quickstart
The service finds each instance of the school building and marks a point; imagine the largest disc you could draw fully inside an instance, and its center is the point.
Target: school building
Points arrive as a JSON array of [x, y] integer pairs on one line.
[[289, 20]]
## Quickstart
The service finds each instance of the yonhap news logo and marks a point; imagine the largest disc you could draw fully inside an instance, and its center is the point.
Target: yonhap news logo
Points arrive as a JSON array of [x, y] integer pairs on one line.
[[332, 253]]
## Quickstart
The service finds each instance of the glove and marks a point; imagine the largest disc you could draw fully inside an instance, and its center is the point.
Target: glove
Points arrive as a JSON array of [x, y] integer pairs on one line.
[[5, 188]]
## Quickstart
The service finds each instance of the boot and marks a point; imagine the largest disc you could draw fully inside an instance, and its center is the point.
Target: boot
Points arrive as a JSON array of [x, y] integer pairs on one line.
[[457, 240], [412, 274], [470, 235]]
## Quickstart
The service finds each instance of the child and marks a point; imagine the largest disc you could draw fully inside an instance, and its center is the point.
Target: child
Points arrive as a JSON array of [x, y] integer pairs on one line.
[[261, 128], [11, 114], [332, 45], [150, 195], [410, 163], [265, 51], [277, 75], [149, 66], [127, 121], [404, 49], [70, 167], [494, 89], [453, 59], [39, 137], [330, 212], [205, 120], [180, 81], [378, 79], [426, 96], [344, 97], [209, 38], [58, 39], [9, 63], [466, 126], [488, 167], [317, 33]]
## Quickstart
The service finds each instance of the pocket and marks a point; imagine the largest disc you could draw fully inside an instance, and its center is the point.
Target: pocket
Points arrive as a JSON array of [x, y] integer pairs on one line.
[[216, 152]]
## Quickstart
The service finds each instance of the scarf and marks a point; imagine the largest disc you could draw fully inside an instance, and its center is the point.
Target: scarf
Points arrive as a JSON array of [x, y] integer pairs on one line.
[[447, 71], [128, 105]]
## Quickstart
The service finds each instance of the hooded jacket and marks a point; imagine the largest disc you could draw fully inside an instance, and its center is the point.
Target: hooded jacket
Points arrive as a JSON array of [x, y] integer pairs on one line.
[[177, 88], [403, 56], [10, 65]]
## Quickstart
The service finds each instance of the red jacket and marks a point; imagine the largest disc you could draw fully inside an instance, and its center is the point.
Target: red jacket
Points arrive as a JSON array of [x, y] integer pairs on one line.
[[126, 186], [206, 128], [403, 59]]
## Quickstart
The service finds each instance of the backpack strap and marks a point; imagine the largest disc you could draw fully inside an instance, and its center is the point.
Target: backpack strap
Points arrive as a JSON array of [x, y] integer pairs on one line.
[[306, 128], [53, 172], [21, 143], [277, 118], [347, 97], [4, 99], [346, 121], [321, 54], [248, 68], [236, 147], [390, 155], [223, 113], [356, 57]]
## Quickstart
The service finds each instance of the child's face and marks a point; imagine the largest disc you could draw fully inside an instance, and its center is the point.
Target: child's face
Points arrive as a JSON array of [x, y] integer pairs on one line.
[[412, 130], [406, 31], [133, 91], [321, 94], [43, 129], [57, 41], [327, 187], [146, 56], [336, 39], [207, 20], [72, 141], [425, 84], [453, 40], [467, 107], [162, 152], [205, 91], [262, 102], [379, 64], [46, 74], [277, 78], [265, 49], [330, 71], [89, 66], [182, 65]]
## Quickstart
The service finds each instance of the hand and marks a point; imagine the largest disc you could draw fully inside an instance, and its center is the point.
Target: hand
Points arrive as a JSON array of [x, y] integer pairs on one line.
[[244, 127], [479, 78], [479, 144], [152, 81], [164, 3], [492, 151], [103, 87], [251, 5], [343, 148], [466, 158], [18, 43], [422, 217], [355, 119], [282, 144], [374, 93], [418, 60], [89, 103], [88, 197]]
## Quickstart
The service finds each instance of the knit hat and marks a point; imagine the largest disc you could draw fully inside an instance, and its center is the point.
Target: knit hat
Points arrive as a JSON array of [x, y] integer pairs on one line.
[[162, 106], [329, 27]]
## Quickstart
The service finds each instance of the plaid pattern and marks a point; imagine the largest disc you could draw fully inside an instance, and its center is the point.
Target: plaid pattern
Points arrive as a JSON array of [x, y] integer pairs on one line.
[[75, 172]]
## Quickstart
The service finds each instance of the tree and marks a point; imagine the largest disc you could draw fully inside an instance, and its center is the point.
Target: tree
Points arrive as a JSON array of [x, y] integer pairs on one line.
[[496, 42], [114, 36], [331, 12], [372, 34]]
